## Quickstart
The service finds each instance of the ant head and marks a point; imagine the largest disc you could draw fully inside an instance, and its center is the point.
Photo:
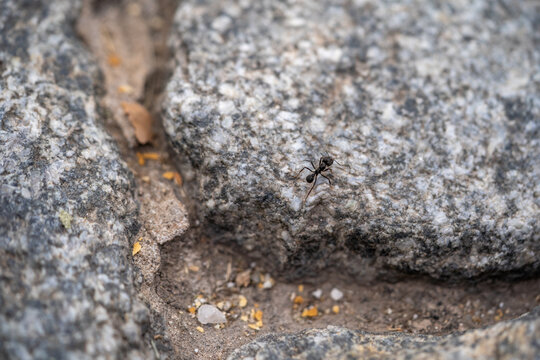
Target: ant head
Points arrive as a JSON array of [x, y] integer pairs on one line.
[[310, 178], [327, 160]]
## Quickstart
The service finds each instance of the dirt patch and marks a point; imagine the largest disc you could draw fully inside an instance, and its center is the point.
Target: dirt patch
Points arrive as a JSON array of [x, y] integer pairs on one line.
[[415, 305], [176, 276]]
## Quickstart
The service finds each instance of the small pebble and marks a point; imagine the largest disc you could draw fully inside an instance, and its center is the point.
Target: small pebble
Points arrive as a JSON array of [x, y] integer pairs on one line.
[[317, 294], [267, 284], [209, 314], [336, 294]]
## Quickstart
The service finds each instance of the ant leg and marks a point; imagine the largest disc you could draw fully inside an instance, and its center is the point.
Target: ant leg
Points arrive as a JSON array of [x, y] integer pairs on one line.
[[304, 168], [327, 179], [312, 186]]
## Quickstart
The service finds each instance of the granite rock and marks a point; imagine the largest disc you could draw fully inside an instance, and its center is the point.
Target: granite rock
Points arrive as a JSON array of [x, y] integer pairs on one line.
[[67, 210], [513, 339], [432, 108]]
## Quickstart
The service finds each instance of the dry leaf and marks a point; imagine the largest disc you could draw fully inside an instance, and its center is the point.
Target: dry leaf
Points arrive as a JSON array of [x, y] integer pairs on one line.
[[258, 315], [140, 119], [335, 309], [192, 310], [300, 288], [193, 268], [136, 248], [298, 299], [243, 278]]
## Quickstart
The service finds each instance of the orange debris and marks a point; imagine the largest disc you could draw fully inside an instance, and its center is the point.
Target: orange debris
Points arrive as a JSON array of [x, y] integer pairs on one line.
[[169, 175], [114, 60], [311, 312], [178, 179], [136, 248]]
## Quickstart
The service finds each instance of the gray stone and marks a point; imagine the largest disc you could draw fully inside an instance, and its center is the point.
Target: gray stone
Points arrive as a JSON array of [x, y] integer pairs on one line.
[[432, 108], [514, 339], [66, 204]]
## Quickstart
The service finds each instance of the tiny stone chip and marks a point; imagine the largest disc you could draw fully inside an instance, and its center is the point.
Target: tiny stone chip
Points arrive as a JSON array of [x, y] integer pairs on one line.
[[65, 219], [336, 294], [209, 314]]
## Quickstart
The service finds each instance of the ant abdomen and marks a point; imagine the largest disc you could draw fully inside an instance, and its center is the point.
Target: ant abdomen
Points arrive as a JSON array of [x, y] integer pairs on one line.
[[310, 178]]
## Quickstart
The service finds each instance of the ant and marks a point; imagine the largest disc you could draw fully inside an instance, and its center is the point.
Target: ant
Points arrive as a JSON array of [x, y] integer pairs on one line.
[[324, 165]]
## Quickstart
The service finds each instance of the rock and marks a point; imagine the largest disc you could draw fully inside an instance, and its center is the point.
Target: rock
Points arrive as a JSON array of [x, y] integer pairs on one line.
[[317, 294], [66, 204], [209, 314], [431, 109], [336, 294], [514, 339]]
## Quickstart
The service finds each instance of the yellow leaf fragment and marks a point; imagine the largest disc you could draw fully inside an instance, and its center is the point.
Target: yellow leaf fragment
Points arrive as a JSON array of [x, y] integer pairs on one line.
[[200, 329], [169, 175], [65, 219], [335, 309], [298, 299], [136, 248], [311, 312], [300, 288], [258, 315], [257, 326], [242, 301], [140, 119], [244, 318], [192, 310]]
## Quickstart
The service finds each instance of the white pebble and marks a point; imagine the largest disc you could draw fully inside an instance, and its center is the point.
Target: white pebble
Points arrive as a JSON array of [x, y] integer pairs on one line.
[[317, 294], [336, 294], [209, 314]]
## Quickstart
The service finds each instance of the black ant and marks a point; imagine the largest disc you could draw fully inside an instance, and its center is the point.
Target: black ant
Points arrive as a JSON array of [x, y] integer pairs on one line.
[[324, 165]]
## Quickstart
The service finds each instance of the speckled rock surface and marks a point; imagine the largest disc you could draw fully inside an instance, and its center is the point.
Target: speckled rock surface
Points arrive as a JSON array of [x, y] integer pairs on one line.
[[515, 339], [66, 203], [433, 108]]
